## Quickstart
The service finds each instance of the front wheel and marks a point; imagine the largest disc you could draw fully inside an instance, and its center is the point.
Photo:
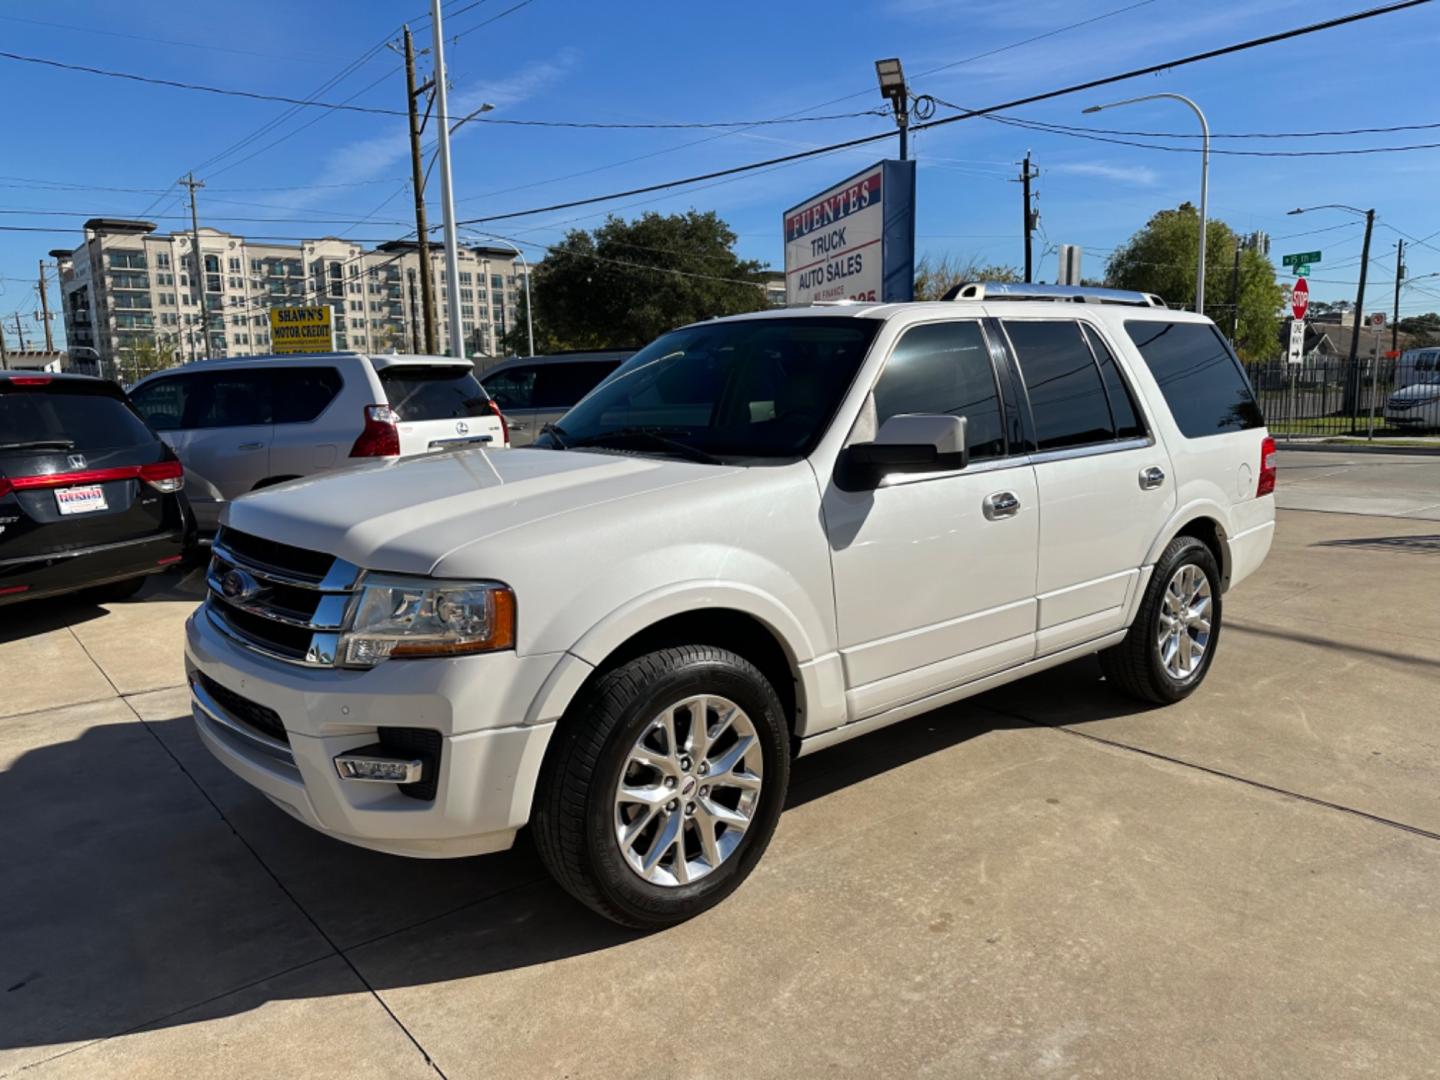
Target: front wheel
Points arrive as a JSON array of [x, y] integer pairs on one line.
[[664, 785], [1171, 643]]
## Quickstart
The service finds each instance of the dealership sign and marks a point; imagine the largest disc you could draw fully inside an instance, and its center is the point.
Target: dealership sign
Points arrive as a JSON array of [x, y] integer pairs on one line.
[[856, 240], [301, 330]]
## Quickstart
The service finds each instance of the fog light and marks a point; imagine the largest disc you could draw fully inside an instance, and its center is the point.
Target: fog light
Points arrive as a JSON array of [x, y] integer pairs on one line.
[[383, 770]]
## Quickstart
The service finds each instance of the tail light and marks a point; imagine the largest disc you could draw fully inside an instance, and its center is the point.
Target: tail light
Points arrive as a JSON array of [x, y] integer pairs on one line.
[[504, 424], [30, 380], [381, 437], [166, 476], [1267, 467]]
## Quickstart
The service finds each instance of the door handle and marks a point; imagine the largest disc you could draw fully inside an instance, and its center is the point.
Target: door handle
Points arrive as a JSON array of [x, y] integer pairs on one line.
[[250, 446], [1151, 477], [1002, 504]]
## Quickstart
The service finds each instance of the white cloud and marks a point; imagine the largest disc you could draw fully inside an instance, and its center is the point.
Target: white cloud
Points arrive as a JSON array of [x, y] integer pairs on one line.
[[379, 155], [1136, 175]]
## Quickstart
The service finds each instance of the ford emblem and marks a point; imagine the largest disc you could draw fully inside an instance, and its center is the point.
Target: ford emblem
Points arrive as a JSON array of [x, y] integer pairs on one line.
[[239, 586]]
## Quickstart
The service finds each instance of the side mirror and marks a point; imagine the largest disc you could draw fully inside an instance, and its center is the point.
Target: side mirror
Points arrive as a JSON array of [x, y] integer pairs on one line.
[[908, 443]]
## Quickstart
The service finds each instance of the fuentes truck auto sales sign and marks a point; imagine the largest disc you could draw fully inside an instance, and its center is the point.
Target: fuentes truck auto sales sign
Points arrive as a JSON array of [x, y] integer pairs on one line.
[[856, 240]]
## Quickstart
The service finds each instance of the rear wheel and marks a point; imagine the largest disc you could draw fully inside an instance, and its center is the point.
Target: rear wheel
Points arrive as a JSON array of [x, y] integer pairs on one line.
[[1171, 643], [664, 785]]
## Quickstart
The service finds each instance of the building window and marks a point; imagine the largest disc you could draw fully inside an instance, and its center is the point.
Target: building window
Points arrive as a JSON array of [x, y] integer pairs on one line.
[[256, 266], [496, 281], [162, 260], [167, 299], [466, 278], [125, 260], [234, 264]]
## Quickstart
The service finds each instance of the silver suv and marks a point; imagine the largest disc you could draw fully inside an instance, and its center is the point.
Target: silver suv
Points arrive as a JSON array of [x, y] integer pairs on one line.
[[241, 425]]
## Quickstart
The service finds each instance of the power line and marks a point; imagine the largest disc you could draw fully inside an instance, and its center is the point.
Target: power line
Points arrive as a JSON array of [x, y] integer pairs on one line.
[[1213, 135], [209, 217], [1031, 99], [487, 22]]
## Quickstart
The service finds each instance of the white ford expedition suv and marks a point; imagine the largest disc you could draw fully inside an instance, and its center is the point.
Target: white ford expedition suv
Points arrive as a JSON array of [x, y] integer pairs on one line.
[[759, 537]]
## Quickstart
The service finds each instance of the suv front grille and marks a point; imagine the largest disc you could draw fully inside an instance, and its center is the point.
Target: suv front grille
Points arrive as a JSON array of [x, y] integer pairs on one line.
[[285, 602]]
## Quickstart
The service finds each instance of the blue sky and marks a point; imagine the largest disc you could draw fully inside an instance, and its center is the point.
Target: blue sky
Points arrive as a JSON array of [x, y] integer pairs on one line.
[[346, 174]]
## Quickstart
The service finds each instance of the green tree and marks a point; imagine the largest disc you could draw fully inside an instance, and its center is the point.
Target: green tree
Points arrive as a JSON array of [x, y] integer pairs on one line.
[[1426, 328], [147, 357], [1160, 259], [934, 277], [630, 281]]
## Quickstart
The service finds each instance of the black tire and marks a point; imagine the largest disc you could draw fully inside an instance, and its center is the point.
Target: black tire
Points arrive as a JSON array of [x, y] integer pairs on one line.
[[115, 591], [574, 814], [1135, 665]]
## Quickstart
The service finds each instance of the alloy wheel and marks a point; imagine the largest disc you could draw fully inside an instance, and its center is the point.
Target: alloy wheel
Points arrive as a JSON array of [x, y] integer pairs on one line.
[[1183, 633]]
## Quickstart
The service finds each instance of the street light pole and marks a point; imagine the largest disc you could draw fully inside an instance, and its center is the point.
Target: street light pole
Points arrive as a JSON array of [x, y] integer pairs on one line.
[[1204, 179], [447, 189], [529, 308], [1352, 379]]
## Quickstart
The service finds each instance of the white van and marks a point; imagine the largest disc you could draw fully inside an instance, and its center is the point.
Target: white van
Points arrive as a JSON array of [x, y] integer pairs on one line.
[[245, 424], [1417, 366]]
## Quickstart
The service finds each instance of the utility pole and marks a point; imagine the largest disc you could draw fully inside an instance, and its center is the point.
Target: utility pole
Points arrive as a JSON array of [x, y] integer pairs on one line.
[[4, 352], [199, 274], [447, 187], [1352, 378], [1399, 277], [1235, 293], [20, 332], [1030, 218], [415, 331], [417, 182], [45, 315]]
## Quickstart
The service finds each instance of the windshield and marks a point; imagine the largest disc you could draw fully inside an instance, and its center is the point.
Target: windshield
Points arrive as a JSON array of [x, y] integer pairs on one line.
[[749, 388], [442, 392]]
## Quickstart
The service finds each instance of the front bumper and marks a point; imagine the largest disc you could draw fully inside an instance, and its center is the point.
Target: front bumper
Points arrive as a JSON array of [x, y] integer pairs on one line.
[[488, 764]]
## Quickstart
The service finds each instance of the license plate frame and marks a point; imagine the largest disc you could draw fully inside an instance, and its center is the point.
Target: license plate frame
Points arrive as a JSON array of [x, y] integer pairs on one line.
[[82, 499]]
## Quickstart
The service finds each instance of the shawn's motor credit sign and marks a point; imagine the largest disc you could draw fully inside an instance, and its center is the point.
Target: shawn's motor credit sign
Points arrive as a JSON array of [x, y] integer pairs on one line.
[[301, 330], [856, 240]]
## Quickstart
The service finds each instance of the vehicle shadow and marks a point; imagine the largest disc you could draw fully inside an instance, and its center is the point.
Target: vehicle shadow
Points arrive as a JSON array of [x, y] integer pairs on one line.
[[34, 617], [147, 887]]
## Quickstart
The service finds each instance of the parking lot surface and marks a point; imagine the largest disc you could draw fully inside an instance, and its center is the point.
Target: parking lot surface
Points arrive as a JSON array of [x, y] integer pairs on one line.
[[1046, 880]]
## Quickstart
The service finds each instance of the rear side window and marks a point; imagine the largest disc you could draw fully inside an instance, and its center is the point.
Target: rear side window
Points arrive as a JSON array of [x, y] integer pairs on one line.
[[1202, 382], [162, 402], [558, 386], [302, 394], [945, 368], [221, 399], [1122, 404], [433, 393], [512, 388], [1067, 396], [75, 415]]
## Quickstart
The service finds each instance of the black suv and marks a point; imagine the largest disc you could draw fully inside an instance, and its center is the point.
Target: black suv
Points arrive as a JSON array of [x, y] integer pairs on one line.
[[89, 495]]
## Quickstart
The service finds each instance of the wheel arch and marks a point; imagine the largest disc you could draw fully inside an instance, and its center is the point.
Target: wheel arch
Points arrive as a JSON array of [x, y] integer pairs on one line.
[[1206, 523]]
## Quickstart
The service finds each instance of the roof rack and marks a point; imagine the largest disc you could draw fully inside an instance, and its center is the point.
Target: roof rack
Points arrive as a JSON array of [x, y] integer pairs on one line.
[[1074, 294]]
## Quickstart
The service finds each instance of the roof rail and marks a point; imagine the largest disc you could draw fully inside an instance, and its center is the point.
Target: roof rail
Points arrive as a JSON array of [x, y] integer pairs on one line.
[[1075, 294]]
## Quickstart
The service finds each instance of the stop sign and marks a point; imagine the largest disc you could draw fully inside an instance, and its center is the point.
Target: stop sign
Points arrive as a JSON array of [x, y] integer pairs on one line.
[[1300, 299]]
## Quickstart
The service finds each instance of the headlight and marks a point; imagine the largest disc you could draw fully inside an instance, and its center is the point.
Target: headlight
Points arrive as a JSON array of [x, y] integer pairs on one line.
[[411, 617]]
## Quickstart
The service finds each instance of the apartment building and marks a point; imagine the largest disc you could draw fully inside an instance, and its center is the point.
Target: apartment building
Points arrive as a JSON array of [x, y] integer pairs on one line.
[[127, 287]]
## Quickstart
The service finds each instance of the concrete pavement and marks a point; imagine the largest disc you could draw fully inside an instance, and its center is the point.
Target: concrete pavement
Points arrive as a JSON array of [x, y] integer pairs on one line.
[[1046, 880], [1390, 485]]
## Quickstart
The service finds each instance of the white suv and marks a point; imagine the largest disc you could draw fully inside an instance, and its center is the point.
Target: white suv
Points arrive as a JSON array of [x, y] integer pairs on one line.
[[240, 425], [762, 536]]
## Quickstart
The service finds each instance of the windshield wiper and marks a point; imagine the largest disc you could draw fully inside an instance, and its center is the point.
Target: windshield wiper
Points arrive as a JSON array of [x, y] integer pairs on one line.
[[654, 437], [556, 432], [40, 444]]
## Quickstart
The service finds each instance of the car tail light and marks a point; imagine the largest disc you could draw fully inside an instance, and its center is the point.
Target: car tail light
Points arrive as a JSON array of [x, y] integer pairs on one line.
[[1267, 467], [166, 476], [30, 380], [381, 438], [5, 487], [504, 424], [11, 590]]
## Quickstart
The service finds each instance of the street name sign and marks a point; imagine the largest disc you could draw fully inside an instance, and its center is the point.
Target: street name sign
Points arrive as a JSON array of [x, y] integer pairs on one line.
[[301, 330], [854, 241], [1300, 299], [1300, 258], [1302, 269]]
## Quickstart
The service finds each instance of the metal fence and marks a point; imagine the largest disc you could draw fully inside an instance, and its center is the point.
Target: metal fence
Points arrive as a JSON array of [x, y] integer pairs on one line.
[[1332, 397]]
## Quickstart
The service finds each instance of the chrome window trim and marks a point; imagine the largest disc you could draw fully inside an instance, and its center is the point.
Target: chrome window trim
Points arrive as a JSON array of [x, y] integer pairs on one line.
[[1067, 453]]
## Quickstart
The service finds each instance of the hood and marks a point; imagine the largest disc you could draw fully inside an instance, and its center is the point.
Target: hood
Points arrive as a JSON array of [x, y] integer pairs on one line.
[[405, 516], [1418, 392]]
